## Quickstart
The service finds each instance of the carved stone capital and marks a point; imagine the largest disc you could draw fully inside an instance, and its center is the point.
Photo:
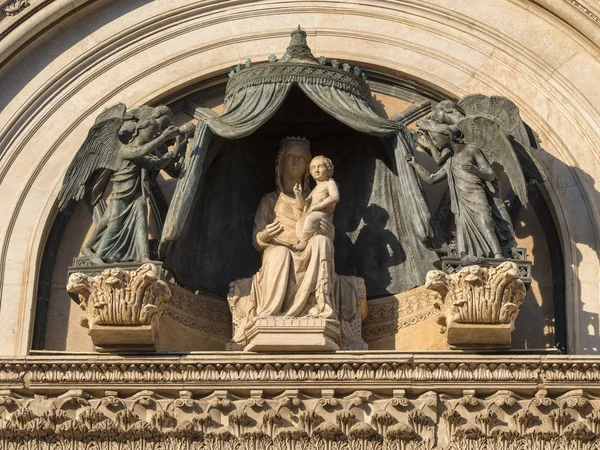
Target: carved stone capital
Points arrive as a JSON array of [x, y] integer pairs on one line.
[[121, 307], [480, 304]]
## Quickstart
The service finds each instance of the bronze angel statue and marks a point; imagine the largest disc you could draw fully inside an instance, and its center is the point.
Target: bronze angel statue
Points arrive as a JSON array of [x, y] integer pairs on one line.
[[125, 148], [465, 139]]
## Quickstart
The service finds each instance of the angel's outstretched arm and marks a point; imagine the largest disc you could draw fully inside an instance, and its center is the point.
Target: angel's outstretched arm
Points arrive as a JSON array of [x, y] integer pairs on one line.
[[174, 168], [483, 169], [150, 163], [130, 152], [427, 177], [427, 144]]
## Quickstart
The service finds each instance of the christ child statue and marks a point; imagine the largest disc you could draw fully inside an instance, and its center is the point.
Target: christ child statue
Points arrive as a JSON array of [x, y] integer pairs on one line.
[[319, 204]]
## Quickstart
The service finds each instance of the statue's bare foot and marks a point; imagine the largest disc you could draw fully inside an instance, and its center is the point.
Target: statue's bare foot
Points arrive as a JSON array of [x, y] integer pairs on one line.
[[301, 245], [88, 252], [234, 293], [96, 260], [469, 260], [314, 311], [327, 312]]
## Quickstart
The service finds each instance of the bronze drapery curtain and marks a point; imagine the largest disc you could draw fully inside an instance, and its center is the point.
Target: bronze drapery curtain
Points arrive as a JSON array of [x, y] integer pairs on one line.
[[195, 200]]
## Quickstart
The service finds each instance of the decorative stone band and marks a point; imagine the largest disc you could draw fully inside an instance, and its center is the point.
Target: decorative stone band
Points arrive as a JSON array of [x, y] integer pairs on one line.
[[527, 402], [388, 315], [204, 312], [357, 370], [298, 73]]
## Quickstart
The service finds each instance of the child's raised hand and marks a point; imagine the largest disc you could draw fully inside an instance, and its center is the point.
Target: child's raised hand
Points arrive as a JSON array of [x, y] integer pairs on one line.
[[298, 189]]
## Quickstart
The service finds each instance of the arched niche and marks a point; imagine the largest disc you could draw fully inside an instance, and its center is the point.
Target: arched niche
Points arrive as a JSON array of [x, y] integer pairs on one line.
[[541, 322], [147, 52]]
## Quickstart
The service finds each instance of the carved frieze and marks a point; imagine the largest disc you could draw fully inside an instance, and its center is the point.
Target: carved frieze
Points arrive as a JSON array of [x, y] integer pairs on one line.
[[201, 311], [389, 314], [346, 401], [354, 370], [329, 419]]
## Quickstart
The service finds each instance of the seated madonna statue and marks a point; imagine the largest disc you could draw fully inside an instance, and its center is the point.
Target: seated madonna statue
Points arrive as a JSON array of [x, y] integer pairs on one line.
[[293, 282]]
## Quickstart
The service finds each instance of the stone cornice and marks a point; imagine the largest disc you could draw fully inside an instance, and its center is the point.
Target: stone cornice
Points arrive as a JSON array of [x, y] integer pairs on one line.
[[344, 401], [380, 371]]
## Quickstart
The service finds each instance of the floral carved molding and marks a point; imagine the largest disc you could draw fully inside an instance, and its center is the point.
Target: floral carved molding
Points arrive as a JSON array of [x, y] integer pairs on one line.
[[12, 7], [480, 295], [334, 402]]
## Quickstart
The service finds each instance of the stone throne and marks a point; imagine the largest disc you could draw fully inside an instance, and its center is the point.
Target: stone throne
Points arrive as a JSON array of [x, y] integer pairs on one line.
[[231, 166]]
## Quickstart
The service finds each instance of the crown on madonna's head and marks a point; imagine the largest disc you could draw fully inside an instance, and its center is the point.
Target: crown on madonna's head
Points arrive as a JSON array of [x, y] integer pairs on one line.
[[298, 140]]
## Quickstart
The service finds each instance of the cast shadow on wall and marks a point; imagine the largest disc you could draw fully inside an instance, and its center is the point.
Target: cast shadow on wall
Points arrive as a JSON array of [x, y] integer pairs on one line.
[[569, 180]]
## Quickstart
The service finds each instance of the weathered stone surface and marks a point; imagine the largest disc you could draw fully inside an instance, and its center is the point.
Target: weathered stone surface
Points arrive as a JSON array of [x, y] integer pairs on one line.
[[404, 321], [193, 321], [480, 304], [293, 334], [474, 336], [122, 338], [352, 401], [121, 307]]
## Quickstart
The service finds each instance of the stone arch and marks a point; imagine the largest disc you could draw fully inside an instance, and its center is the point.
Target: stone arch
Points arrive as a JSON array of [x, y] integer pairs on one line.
[[143, 51]]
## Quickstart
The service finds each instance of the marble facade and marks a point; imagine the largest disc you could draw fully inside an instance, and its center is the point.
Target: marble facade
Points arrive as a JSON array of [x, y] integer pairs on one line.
[[63, 61]]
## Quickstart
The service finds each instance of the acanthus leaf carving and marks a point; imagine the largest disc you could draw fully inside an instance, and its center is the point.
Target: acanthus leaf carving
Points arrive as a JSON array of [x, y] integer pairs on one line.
[[120, 297], [477, 297]]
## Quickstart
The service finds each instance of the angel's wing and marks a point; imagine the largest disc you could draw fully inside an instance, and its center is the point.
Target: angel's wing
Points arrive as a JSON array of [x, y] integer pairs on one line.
[[507, 113], [486, 133], [501, 109], [98, 151]]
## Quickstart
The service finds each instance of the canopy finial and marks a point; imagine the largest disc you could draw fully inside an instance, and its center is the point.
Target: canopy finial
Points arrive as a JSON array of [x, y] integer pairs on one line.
[[298, 48]]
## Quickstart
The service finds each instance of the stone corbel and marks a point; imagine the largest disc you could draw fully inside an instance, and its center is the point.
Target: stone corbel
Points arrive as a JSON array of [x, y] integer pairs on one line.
[[479, 304], [121, 307]]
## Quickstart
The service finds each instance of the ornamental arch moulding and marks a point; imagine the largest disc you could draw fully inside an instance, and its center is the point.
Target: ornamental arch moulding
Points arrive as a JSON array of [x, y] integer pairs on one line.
[[141, 52]]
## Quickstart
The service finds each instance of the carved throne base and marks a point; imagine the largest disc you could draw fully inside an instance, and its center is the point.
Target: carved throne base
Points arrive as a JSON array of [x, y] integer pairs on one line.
[[293, 334], [470, 336]]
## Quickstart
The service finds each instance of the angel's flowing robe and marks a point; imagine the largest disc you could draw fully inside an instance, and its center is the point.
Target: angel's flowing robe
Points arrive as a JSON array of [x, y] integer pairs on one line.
[[477, 212], [124, 237]]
